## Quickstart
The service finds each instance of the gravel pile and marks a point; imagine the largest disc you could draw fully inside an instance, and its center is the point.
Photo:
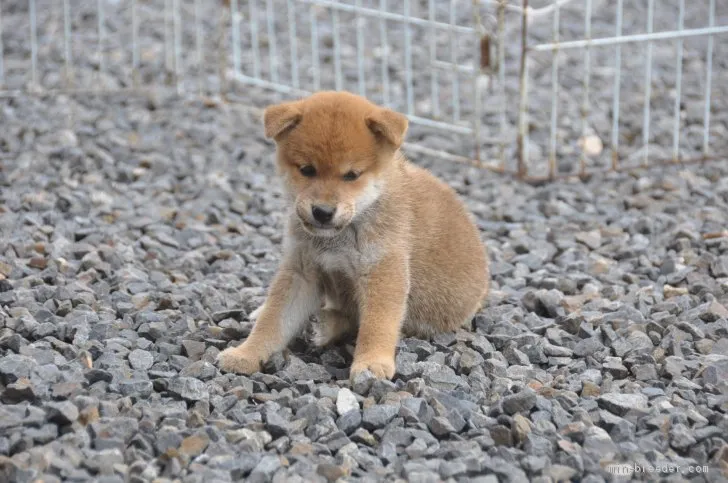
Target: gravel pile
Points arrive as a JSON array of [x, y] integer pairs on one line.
[[133, 248], [138, 233]]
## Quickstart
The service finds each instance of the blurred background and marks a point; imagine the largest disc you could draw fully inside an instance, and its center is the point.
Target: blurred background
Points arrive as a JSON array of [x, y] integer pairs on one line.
[[455, 67]]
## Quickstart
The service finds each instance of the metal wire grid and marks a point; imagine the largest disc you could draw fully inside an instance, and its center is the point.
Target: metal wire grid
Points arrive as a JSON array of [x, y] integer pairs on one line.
[[462, 115], [385, 18], [174, 48], [392, 22], [618, 40]]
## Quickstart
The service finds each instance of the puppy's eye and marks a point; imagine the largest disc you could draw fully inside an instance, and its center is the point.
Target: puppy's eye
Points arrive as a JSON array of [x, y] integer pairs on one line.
[[308, 171], [351, 176]]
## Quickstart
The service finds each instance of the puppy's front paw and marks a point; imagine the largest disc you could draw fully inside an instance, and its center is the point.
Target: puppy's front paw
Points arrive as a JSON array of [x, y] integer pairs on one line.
[[236, 360], [381, 368]]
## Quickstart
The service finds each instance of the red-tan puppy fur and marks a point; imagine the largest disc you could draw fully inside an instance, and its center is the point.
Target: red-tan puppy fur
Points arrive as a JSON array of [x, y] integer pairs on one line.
[[373, 242]]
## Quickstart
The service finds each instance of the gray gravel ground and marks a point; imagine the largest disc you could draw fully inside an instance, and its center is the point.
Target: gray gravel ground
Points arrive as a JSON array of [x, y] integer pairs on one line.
[[137, 234]]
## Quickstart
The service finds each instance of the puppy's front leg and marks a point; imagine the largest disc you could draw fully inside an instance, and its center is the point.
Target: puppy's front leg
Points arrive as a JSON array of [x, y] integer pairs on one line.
[[290, 302], [382, 307]]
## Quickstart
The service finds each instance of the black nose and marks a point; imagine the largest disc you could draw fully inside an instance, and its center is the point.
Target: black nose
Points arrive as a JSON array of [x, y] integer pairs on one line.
[[322, 213]]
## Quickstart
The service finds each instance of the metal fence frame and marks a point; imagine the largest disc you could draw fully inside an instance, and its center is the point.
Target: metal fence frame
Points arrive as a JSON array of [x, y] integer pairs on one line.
[[489, 65], [617, 40]]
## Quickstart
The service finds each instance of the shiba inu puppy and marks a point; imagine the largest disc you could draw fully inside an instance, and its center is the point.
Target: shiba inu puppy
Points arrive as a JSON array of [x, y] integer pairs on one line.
[[373, 242]]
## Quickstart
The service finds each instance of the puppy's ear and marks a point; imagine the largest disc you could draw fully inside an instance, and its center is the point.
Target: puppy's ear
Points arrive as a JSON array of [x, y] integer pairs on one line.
[[388, 126], [281, 118]]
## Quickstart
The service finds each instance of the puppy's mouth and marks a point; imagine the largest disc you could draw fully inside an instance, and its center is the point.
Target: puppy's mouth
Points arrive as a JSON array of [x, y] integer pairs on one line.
[[318, 229]]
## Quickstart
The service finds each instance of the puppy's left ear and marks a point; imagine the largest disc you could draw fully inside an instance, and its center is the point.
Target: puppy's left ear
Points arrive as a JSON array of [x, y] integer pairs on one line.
[[388, 126], [281, 118]]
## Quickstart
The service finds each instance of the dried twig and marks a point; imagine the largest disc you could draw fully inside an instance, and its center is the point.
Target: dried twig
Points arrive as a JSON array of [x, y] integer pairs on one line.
[[715, 234]]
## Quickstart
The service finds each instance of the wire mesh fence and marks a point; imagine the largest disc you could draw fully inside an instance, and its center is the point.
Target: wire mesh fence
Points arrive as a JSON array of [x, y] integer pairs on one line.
[[538, 89]]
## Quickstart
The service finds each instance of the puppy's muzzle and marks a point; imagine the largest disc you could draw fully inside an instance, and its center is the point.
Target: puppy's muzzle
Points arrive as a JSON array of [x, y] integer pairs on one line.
[[323, 214]]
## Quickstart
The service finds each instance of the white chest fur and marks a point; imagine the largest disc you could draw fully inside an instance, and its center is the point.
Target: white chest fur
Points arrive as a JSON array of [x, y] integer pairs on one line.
[[345, 261], [344, 256]]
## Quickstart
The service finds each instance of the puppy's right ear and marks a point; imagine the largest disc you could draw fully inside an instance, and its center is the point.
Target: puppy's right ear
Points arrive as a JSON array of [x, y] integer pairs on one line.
[[388, 126], [281, 118]]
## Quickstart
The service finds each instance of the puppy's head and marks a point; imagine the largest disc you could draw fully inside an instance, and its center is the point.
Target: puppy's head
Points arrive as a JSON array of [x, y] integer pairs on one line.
[[335, 151]]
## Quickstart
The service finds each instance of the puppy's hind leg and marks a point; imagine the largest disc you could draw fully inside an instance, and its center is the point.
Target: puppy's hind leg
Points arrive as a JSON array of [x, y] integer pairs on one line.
[[332, 326], [291, 301]]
